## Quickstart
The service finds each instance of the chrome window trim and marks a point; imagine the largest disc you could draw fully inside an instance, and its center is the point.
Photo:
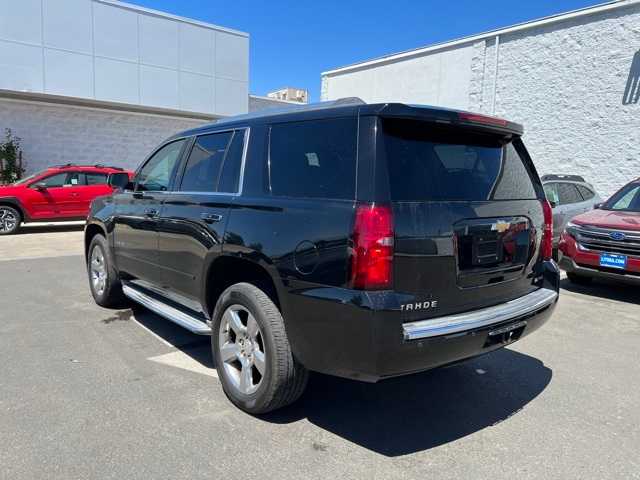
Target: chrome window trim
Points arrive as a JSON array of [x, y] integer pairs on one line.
[[513, 310]]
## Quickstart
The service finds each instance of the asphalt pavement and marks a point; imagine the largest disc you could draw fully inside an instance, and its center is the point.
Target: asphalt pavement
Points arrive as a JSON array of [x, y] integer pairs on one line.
[[87, 392]]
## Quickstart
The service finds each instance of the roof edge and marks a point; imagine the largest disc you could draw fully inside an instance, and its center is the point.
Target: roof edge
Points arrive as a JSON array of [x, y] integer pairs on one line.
[[170, 16], [603, 7]]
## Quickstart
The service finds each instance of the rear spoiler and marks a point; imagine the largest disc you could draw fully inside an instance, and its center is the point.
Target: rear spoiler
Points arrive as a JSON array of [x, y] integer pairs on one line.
[[447, 116]]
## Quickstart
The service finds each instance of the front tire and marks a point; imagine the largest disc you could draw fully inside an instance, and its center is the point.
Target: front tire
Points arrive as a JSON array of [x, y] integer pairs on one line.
[[579, 279], [10, 220], [103, 278], [253, 357]]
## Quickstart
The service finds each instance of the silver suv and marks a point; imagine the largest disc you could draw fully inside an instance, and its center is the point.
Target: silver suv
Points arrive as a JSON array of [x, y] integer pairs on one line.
[[569, 195]]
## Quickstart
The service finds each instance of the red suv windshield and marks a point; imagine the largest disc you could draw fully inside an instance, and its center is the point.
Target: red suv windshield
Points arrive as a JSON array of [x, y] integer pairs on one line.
[[626, 199]]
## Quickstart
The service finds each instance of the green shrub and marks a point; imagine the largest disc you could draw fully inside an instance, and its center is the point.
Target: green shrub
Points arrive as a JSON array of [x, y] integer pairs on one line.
[[11, 167]]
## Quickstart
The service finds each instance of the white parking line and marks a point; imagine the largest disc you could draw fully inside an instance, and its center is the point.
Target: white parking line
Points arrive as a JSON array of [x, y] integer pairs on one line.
[[180, 359], [152, 332]]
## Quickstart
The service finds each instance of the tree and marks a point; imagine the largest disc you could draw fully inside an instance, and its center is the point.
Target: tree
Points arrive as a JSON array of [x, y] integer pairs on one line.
[[11, 168]]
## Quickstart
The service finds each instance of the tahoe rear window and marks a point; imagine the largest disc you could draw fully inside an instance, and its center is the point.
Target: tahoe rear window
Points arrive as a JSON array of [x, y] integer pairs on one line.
[[314, 159], [429, 162]]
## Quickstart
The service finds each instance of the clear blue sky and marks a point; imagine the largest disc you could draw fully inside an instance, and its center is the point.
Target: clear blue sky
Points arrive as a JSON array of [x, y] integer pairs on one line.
[[292, 42]]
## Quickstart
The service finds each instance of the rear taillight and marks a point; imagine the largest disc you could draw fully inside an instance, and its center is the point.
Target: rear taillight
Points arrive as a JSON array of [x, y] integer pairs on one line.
[[546, 249], [372, 257], [484, 119]]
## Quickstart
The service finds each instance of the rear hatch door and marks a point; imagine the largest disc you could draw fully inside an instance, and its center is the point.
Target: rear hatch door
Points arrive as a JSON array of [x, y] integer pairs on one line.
[[467, 214]]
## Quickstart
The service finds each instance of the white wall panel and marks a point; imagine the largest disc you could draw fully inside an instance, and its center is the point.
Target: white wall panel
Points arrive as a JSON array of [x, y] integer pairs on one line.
[[68, 73], [115, 32], [116, 81], [20, 67], [196, 92], [197, 52], [20, 20], [158, 42], [67, 24], [232, 56], [159, 87], [231, 96]]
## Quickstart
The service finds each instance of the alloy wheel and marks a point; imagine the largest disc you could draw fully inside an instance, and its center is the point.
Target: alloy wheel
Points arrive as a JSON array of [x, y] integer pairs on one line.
[[98, 271], [242, 349], [8, 220]]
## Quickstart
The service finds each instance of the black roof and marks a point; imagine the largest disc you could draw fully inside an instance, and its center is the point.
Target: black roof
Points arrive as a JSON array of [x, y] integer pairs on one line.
[[354, 106]]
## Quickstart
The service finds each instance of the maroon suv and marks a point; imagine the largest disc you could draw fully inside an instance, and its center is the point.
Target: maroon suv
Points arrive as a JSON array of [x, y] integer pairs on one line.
[[605, 242]]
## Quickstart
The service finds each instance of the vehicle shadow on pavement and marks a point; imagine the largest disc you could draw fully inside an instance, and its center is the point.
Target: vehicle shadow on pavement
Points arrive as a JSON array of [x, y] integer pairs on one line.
[[403, 415], [415, 413], [605, 289]]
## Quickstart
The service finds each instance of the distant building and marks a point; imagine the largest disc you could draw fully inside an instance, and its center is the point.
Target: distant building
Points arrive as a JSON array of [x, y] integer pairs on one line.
[[258, 102], [290, 94], [573, 80]]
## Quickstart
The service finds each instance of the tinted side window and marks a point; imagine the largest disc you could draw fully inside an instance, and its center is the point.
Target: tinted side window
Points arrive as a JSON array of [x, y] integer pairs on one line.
[[314, 159], [230, 176], [75, 179], [568, 194], [586, 193], [57, 180], [94, 178], [156, 174], [205, 162]]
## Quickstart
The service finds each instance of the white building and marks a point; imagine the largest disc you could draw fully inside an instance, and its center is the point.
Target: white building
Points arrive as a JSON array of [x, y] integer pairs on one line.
[[103, 81], [573, 80]]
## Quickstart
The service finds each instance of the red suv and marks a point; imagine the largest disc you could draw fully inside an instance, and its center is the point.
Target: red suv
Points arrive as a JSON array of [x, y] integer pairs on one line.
[[605, 242], [62, 192]]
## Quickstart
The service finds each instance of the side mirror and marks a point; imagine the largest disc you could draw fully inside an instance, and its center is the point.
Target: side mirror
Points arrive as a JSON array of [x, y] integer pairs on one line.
[[597, 206], [119, 181], [40, 186], [553, 204]]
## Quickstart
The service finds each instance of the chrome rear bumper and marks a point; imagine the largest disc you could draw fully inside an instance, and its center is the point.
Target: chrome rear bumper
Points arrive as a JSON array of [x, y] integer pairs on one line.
[[513, 310]]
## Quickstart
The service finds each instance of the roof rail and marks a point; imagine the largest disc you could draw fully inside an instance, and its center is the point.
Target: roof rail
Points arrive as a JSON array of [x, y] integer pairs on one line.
[[571, 178], [97, 165], [303, 107]]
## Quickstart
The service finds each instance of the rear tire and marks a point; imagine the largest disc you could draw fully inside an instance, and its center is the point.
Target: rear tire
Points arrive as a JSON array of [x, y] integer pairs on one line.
[[252, 354], [579, 279], [10, 220], [103, 278]]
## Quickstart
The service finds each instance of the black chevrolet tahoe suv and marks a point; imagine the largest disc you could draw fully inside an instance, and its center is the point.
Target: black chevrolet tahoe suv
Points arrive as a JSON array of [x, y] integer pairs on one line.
[[359, 240]]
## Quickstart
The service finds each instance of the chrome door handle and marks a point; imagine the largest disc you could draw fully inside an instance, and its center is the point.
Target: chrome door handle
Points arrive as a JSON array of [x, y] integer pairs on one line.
[[211, 217], [150, 212]]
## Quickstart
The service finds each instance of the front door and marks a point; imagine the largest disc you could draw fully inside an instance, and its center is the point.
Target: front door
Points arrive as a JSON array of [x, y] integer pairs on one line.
[[137, 213], [54, 197]]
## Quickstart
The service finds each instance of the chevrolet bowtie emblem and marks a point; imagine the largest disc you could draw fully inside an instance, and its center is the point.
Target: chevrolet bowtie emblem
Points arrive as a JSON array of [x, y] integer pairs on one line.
[[501, 226]]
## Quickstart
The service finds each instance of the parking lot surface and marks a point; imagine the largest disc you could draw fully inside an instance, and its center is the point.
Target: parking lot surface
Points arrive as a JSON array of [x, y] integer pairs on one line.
[[93, 393]]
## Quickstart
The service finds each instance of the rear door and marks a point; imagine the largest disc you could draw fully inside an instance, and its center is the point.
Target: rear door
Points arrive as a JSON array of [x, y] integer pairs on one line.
[[92, 185], [192, 223], [467, 212]]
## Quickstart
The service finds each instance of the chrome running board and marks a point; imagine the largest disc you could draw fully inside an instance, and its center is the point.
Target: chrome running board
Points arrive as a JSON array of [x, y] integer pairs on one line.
[[513, 310], [170, 313]]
